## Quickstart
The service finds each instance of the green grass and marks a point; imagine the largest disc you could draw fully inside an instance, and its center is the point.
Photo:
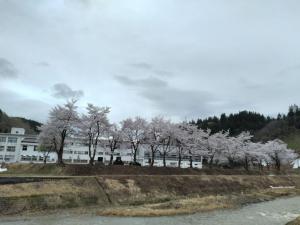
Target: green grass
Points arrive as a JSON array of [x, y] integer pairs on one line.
[[293, 141]]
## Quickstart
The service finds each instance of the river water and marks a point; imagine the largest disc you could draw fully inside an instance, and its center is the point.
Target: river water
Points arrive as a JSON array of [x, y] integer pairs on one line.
[[275, 212]]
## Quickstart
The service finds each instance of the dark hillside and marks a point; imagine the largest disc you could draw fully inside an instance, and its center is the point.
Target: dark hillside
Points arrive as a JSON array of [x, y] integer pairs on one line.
[[6, 123]]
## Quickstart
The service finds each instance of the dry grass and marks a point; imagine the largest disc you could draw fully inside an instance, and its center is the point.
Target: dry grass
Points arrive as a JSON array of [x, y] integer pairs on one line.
[[47, 188], [294, 222], [176, 207], [146, 195], [195, 205]]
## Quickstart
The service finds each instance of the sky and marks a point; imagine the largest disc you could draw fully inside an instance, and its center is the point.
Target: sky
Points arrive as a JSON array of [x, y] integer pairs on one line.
[[182, 59]]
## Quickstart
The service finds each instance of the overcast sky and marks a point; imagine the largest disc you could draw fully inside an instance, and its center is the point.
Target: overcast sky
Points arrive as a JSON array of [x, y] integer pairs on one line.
[[180, 58]]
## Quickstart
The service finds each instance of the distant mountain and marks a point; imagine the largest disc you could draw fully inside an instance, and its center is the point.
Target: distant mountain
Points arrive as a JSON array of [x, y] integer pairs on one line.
[[7, 122]]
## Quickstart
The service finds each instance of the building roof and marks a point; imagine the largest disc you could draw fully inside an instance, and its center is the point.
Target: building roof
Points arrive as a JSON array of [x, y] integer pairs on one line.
[[30, 139]]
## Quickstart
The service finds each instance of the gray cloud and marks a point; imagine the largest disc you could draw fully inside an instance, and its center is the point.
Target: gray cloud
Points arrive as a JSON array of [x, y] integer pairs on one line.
[[182, 103], [151, 68], [42, 64], [62, 90], [11, 103], [184, 57], [142, 65], [149, 82], [7, 69], [171, 100]]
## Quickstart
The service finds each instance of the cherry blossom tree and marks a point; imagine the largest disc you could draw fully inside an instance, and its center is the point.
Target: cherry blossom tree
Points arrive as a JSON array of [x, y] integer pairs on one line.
[[115, 137], [234, 147], [167, 139], [279, 153], [193, 140], [155, 135], [48, 140], [59, 126], [214, 145], [92, 127], [134, 131], [181, 136], [254, 153]]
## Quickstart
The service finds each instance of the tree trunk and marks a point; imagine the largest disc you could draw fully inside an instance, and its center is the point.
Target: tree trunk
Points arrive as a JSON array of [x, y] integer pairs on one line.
[[92, 161], [246, 163], [152, 156], [60, 157], [60, 152], [111, 158], [134, 155], [211, 160], [191, 161], [164, 159], [277, 162], [179, 160]]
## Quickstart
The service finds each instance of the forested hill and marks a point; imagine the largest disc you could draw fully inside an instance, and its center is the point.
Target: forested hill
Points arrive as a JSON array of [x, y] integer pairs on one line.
[[285, 126], [235, 123], [7, 122]]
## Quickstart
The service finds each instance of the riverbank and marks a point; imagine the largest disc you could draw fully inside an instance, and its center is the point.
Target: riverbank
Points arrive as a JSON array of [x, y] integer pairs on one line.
[[148, 195], [294, 222], [196, 204]]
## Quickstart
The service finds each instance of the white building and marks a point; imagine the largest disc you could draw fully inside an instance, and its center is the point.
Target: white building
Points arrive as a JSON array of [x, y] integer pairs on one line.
[[17, 147], [296, 164], [10, 145]]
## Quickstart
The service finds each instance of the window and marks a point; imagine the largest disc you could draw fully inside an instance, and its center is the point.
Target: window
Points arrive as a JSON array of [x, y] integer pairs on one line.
[[25, 158], [68, 151], [35, 148], [12, 140], [1, 157], [3, 139], [41, 158], [24, 148], [1, 148], [11, 148], [9, 158]]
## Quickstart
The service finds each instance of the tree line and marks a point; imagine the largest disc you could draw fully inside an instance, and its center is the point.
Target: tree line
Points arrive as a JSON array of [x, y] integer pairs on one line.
[[262, 127], [161, 136]]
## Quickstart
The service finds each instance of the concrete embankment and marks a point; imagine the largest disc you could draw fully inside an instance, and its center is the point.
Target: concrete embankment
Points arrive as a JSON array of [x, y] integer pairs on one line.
[[144, 195]]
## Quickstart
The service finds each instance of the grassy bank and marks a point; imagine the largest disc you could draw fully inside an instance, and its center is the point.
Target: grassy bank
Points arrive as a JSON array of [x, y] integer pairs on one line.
[[130, 195]]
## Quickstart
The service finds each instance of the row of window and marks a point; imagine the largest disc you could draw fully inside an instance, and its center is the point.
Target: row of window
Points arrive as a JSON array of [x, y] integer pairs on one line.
[[7, 157], [34, 158], [9, 139], [8, 148], [86, 152]]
